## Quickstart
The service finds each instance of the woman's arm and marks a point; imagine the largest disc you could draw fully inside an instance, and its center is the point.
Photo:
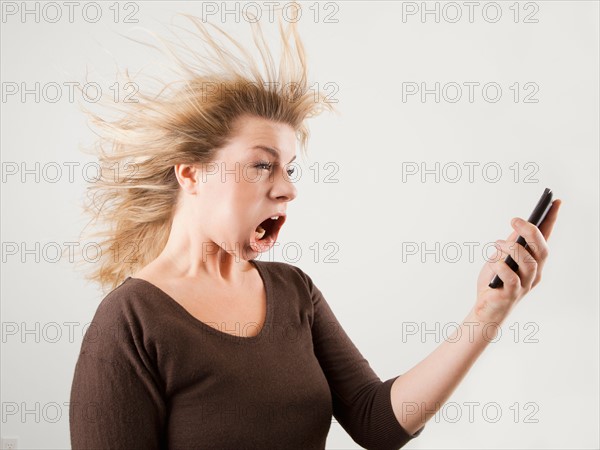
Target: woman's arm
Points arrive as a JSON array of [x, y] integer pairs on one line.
[[116, 398], [419, 393]]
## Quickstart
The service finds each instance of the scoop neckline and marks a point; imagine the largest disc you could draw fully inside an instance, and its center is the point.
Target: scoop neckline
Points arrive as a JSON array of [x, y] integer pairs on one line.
[[178, 307]]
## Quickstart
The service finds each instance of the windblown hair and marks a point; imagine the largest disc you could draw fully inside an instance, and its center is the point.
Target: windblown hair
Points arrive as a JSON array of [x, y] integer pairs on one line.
[[134, 198]]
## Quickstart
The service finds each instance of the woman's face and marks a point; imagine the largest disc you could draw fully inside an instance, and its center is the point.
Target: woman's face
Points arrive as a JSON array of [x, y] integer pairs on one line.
[[245, 186]]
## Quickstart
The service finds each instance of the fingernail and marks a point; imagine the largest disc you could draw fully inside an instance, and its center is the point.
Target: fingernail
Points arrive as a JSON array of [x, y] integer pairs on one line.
[[517, 222]]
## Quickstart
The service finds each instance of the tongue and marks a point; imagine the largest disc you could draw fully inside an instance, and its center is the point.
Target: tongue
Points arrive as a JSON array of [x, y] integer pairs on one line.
[[259, 233]]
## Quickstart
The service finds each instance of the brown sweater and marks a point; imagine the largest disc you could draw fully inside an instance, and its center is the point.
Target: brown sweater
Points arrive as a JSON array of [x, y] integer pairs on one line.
[[152, 376]]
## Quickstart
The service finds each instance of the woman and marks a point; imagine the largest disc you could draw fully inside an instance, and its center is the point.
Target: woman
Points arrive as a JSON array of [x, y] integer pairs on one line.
[[199, 345]]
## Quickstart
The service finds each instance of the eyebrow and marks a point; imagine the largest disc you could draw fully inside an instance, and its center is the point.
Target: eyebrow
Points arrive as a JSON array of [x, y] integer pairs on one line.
[[273, 151]]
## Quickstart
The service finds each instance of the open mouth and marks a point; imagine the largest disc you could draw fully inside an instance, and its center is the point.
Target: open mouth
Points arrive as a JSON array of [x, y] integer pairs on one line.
[[266, 233]]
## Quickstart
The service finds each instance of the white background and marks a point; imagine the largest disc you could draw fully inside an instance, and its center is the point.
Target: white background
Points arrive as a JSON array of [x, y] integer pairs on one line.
[[369, 214]]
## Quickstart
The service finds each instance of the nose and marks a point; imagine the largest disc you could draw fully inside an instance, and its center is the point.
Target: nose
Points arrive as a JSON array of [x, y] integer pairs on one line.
[[283, 188]]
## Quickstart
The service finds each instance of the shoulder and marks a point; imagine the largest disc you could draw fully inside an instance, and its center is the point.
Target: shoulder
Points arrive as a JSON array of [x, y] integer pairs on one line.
[[283, 271], [133, 300], [123, 318]]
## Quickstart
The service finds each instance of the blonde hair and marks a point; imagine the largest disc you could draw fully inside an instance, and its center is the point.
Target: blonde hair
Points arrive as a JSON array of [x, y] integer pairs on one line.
[[133, 205]]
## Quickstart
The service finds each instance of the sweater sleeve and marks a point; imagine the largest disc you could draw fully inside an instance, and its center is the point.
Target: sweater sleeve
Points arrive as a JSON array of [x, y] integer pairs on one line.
[[361, 401], [116, 399]]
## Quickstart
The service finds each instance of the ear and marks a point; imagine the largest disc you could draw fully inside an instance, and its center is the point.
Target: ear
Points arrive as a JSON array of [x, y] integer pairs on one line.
[[188, 176]]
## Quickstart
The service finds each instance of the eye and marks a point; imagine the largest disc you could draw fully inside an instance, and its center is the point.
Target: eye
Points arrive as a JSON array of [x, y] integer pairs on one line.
[[264, 165]]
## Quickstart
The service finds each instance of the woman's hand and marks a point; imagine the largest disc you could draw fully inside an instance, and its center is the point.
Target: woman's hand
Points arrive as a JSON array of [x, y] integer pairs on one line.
[[493, 305]]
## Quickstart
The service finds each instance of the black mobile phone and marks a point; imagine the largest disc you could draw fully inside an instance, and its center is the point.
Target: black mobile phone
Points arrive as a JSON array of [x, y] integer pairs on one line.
[[537, 217]]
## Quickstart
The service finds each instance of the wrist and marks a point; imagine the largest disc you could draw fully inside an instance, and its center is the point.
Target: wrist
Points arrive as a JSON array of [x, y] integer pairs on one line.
[[486, 314]]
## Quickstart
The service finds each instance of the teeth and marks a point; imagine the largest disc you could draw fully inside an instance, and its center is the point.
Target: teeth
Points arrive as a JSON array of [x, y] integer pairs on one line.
[[260, 232], [274, 217]]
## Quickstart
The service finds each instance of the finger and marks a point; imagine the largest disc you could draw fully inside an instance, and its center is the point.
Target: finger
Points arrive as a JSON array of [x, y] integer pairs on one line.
[[513, 236], [518, 252], [487, 271], [489, 268], [536, 243], [512, 282], [528, 266], [548, 224]]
